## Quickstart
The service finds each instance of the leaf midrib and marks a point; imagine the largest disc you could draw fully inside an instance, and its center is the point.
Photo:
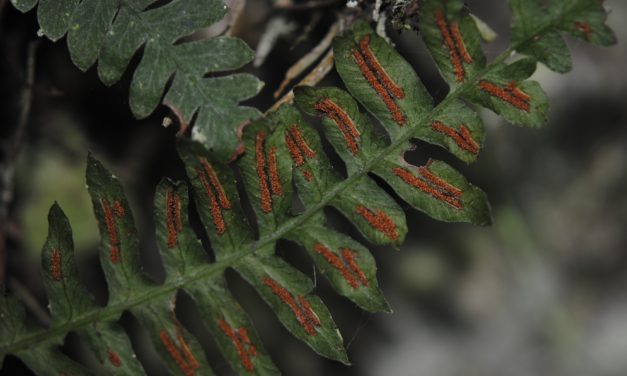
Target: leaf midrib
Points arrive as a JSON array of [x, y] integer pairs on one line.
[[115, 309]]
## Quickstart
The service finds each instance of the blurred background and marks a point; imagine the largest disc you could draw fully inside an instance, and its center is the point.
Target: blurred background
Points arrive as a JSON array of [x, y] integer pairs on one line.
[[543, 291]]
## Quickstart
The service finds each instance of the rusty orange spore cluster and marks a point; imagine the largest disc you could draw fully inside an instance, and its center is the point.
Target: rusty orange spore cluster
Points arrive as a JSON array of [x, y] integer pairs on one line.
[[55, 265], [510, 94], [347, 265], [245, 349], [118, 209], [382, 75], [264, 187], [349, 256], [454, 44], [439, 182], [299, 150], [213, 177], [462, 138], [301, 309], [181, 354], [378, 79], [432, 185], [275, 179], [114, 358], [109, 216], [585, 28], [379, 220], [173, 219], [271, 185], [217, 200], [343, 122]]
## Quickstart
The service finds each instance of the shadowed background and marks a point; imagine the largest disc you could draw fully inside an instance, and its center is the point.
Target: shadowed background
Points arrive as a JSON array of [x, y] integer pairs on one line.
[[543, 291]]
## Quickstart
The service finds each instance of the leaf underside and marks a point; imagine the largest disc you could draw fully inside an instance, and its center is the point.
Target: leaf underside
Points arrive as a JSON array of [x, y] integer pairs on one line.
[[112, 31], [285, 161]]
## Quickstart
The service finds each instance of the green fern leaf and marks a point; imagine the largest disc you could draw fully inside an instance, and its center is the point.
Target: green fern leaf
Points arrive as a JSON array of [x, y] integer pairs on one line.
[[584, 19], [111, 32], [284, 152]]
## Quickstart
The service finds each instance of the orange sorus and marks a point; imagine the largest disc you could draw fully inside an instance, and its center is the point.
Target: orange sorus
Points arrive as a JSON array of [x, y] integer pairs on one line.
[[506, 95], [416, 182], [459, 43], [173, 216], [55, 265], [215, 182], [456, 60], [216, 210], [585, 28], [379, 220], [303, 313], [395, 111], [297, 146], [114, 241], [384, 78], [114, 358], [439, 182], [241, 342], [343, 122], [266, 199], [462, 138], [515, 91], [349, 256], [275, 180], [186, 361], [337, 263]]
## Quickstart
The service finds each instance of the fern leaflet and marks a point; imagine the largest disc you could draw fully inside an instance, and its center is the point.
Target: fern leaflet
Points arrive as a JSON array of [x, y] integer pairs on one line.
[[111, 31], [282, 149]]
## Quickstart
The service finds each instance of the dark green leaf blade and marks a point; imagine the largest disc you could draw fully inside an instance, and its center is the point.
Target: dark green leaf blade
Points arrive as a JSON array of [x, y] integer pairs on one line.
[[349, 266], [216, 198], [112, 348], [266, 169], [12, 323], [88, 27], [453, 39], [506, 91], [54, 17], [112, 32], [66, 295], [584, 19], [288, 292], [119, 254], [381, 79], [436, 189], [457, 128], [345, 127], [180, 249], [232, 329], [24, 5], [548, 48], [375, 214], [178, 348], [46, 359]]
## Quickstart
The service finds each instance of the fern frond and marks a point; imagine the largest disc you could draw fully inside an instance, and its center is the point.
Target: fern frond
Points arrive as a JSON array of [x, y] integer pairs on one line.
[[283, 149], [112, 31]]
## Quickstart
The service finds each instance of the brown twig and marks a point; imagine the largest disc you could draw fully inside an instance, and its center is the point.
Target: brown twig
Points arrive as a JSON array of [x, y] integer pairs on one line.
[[306, 61], [309, 27], [7, 169], [316, 75]]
